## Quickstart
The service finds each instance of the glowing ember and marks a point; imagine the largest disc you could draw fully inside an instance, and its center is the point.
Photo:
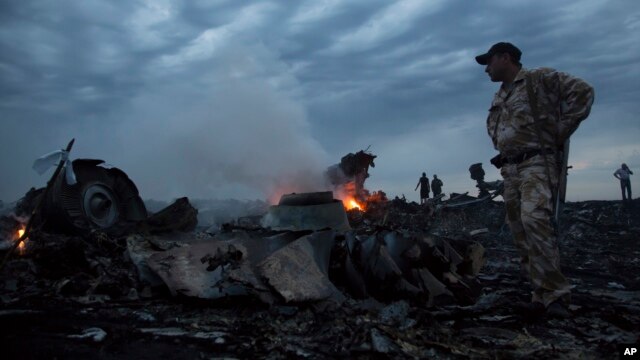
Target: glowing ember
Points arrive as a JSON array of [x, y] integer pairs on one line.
[[20, 233]]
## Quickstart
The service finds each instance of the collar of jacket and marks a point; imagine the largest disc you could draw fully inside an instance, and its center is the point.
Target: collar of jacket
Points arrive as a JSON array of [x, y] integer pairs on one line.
[[520, 76]]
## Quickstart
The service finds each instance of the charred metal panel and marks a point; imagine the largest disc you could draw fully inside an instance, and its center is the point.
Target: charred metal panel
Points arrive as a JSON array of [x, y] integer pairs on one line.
[[299, 271], [313, 217], [101, 199]]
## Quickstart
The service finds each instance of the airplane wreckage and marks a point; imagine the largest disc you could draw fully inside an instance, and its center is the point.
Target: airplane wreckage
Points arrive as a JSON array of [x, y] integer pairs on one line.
[[88, 267]]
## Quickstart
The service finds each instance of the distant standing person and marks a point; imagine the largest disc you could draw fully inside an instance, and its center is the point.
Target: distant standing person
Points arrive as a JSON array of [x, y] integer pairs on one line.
[[623, 174], [436, 185], [423, 183]]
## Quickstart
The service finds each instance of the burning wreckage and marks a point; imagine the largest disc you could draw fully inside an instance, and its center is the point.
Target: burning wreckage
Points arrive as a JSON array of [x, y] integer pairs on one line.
[[313, 277], [349, 175]]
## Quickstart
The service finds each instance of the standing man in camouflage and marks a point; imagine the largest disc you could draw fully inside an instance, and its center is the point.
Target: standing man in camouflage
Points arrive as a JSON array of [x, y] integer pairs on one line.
[[532, 115]]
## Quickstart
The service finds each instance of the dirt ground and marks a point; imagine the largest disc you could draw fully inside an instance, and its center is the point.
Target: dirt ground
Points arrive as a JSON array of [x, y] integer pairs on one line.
[[42, 316]]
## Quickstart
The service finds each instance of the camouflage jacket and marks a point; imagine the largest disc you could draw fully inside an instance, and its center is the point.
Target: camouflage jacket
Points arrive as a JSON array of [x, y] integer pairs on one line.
[[563, 102]]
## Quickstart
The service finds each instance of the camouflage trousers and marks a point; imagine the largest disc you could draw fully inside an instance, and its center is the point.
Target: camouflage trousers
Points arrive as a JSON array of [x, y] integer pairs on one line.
[[528, 202]]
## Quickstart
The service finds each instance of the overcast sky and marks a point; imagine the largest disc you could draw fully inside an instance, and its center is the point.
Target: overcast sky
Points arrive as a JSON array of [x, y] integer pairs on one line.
[[238, 99]]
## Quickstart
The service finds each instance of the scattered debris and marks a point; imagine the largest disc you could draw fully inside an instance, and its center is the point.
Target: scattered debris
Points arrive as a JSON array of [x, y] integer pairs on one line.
[[477, 173], [179, 216], [478, 231], [615, 285], [403, 281], [95, 334]]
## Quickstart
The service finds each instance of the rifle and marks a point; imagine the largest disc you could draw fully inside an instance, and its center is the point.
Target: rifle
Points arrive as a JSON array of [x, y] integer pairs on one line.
[[558, 192], [562, 179]]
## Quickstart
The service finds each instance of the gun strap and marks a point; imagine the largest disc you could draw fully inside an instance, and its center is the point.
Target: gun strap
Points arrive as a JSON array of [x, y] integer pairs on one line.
[[533, 103]]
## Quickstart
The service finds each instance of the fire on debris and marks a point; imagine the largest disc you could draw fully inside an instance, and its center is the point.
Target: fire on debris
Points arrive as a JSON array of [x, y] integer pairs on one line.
[[22, 244], [347, 193], [351, 203]]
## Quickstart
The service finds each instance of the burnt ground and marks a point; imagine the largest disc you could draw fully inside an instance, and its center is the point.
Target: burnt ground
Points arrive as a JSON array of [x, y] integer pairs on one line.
[[48, 314]]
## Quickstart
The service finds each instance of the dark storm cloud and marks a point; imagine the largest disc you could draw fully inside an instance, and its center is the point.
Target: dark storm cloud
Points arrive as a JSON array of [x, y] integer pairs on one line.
[[212, 98]]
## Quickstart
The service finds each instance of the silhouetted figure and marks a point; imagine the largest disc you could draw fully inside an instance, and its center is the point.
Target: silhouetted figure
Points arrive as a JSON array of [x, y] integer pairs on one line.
[[436, 186], [423, 183], [623, 174]]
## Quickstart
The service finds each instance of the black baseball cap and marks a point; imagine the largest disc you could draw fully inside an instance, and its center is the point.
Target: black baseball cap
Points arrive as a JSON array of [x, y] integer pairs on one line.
[[499, 48]]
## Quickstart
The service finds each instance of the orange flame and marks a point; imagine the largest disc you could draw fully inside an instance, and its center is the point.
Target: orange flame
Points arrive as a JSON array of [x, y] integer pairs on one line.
[[354, 204], [351, 203], [21, 244]]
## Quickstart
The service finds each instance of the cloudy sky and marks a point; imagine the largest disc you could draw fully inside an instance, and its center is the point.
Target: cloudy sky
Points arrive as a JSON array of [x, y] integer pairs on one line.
[[235, 99]]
